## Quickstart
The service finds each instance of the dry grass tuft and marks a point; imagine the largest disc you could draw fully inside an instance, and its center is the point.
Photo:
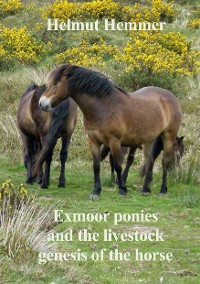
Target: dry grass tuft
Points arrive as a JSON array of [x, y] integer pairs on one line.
[[10, 142], [24, 232]]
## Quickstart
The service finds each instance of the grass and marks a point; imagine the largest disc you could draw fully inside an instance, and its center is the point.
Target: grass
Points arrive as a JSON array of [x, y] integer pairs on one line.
[[172, 214], [188, 198]]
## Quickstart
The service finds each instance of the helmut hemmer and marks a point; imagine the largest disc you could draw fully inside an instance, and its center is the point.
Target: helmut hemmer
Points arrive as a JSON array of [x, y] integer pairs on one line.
[[106, 24]]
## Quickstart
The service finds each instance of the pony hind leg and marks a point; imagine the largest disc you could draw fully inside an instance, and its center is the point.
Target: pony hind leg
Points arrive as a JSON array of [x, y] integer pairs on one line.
[[28, 157], [112, 171], [63, 159], [95, 149], [130, 160], [156, 150], [149, 162], [37, 148], [48, 159], [115, 149], [104, 153], [167, 157]]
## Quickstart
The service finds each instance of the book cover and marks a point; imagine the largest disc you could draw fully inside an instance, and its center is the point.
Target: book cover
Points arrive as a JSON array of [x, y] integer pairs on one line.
[[99, 144]]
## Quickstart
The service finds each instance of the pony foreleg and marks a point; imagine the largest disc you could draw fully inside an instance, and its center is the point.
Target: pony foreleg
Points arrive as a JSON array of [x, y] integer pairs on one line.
[[29, 177], [115, 149], [130, 160], [63, 159], [95, 149]]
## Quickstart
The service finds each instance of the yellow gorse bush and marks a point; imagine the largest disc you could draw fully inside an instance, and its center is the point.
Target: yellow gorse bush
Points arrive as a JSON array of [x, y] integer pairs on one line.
[[10, 6], [158, 52], [99, 9], [61, 10], [154, 52], [155, 10], [145, 52], [88, 55], [194, 24], [2, 53], [93, 9], [13, 197], [20, 45], [8, 189], [165, 9]]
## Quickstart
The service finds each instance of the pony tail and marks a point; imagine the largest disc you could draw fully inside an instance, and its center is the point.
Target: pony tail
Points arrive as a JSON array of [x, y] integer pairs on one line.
[[59, 116], [157, 147]]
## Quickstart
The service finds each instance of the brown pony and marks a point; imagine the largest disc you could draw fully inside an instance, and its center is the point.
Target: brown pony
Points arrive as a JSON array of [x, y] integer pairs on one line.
[[177, 153], [116, 118], [40, 131]]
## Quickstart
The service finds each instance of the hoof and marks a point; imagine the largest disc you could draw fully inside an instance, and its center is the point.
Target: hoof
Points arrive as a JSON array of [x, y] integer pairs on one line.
[[61, 182], [43, 186], [39, 181], [146, 190], [162, 194], [163, 190], [94, 196], [61, 185], [123, 191], [145, 193], [29, 182]]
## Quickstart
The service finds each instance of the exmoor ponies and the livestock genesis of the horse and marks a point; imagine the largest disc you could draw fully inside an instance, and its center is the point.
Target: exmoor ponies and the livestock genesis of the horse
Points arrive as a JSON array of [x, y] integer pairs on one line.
[[99, 144]]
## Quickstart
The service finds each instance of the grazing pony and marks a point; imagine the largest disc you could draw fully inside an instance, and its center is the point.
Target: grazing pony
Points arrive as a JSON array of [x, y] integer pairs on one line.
[[40, 132], [178, 150], [116, 118]]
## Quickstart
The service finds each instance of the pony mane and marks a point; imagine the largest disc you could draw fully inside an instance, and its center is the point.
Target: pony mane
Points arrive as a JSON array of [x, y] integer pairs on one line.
[[85, 80], [121, 90]]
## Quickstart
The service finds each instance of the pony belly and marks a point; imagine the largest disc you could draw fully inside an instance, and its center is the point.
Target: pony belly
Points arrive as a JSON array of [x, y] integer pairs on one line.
[[145, 137], [132, 140]]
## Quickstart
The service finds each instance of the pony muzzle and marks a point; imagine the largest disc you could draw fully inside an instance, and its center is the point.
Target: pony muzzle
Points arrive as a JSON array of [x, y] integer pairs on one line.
[[45, 104]]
